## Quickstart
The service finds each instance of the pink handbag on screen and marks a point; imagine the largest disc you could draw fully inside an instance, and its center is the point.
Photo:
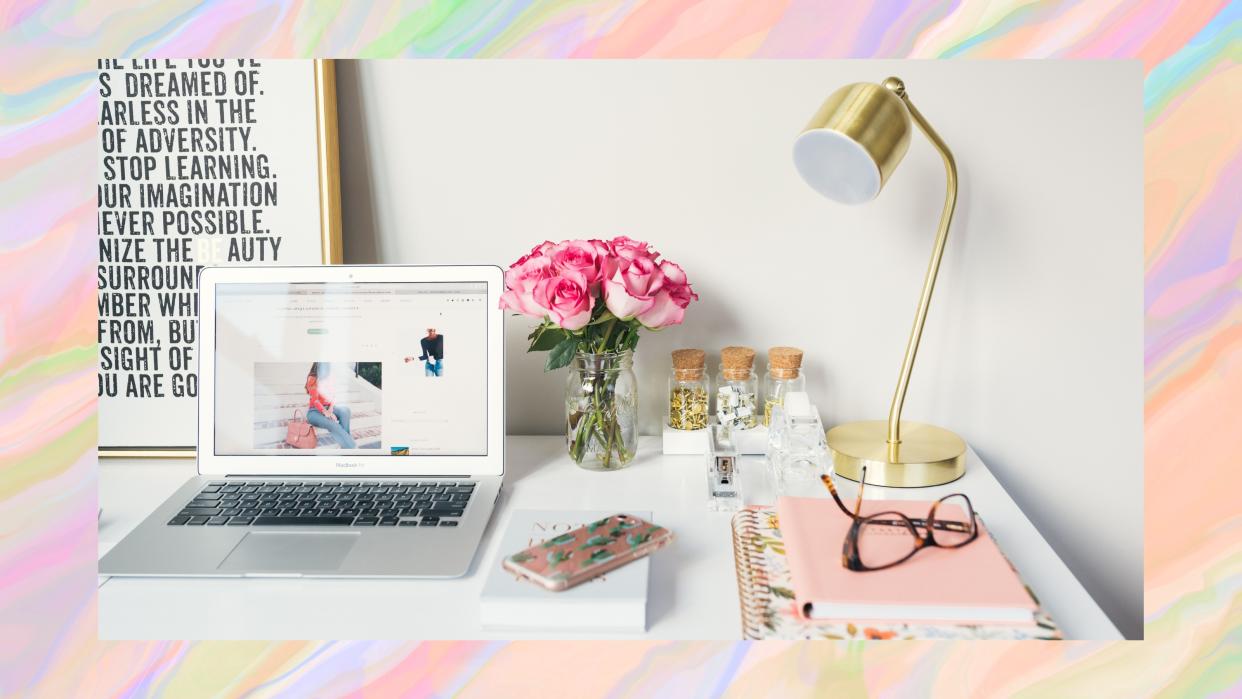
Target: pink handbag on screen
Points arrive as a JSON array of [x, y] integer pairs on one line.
[[301, 434]]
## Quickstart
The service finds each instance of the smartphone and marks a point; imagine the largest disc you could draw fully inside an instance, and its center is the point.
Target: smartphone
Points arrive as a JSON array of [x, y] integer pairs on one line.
[[590, 550]]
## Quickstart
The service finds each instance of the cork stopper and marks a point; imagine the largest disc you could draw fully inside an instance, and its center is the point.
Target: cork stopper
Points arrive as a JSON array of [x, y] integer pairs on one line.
[[688, 364], [784, 362], [736, 362]]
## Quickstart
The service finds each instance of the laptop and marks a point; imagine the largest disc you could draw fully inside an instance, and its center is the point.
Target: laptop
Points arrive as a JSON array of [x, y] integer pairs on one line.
[[350, 424]]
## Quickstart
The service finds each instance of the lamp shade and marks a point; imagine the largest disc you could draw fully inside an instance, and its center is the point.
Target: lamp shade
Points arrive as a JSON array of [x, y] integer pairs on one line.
[[854, 142]]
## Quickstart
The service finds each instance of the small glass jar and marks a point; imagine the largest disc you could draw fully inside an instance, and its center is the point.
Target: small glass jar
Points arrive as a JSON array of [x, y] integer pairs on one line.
[[737, 389], [688, 391], [784, 377]]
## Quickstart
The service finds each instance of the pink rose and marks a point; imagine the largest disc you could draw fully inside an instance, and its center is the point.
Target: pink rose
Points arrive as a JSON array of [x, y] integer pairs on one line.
[[588, 258], [676, 283], [567, 298], [520, 282], [632, 288], [624, 246], [538, 251], [669, 304]]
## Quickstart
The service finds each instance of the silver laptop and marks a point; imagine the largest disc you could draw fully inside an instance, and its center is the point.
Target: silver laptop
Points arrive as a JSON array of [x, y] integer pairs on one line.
[[351, 423]]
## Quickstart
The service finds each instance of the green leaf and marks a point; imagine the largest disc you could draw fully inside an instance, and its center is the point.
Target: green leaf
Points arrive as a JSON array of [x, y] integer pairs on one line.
[[547, 338], [558, 540], [635, 539], [562, 354], [603, 318], [597, 556]]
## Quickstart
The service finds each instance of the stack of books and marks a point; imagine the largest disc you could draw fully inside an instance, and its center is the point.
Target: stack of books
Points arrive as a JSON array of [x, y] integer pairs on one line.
[[792, 584]]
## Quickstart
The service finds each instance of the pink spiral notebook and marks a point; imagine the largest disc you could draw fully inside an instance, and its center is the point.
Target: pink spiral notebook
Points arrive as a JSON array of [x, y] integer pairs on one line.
[[974, 584], [766, 598]]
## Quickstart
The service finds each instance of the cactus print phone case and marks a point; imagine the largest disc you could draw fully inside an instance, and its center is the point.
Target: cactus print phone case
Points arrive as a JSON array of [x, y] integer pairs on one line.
[[583, 553]]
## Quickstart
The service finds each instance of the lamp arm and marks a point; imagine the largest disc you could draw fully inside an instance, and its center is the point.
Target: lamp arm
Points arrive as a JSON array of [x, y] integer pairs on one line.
[[933, 267]]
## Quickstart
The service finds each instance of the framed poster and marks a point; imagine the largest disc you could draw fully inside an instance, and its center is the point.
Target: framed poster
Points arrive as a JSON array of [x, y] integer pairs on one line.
[[201, 162]]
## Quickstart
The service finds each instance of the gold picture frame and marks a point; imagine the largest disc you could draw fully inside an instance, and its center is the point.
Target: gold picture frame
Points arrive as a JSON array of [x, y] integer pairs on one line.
[[331, 245]]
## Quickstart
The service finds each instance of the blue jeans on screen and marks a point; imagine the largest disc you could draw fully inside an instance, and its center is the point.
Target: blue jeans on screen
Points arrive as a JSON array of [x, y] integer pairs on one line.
[[433, 367], [339, 428]]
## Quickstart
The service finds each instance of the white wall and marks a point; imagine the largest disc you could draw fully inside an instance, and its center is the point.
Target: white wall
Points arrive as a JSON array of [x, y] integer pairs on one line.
[[1033, 350]]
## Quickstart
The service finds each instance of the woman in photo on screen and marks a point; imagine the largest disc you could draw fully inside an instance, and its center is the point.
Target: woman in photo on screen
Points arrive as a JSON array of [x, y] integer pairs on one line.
[[433, 353], [322, 412]]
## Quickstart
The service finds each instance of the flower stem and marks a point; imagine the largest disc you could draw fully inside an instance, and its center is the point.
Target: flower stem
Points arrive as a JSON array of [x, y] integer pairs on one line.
[[603, 346], [582, 437], [599, 388]]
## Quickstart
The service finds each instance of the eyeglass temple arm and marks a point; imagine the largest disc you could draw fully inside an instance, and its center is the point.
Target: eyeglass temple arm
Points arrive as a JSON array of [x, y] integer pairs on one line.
[[827, 479], [862, 480], [946, 525]]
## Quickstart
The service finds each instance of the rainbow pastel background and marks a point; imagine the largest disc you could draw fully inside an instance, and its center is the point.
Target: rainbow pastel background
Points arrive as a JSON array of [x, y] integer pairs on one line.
[[1193, 278]]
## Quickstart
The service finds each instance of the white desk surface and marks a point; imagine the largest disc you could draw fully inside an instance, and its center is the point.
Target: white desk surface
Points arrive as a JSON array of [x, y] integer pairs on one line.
[[692, 594]]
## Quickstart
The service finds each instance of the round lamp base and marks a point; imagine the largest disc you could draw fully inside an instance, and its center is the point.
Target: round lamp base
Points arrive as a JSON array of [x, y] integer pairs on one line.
[[927, 455]]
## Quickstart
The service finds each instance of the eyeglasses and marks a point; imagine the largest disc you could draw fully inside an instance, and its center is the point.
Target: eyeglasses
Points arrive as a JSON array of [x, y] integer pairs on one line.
[[884, 539]]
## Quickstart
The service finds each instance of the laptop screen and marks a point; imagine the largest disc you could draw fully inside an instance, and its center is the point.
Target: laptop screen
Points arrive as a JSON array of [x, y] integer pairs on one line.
[[369, 368]]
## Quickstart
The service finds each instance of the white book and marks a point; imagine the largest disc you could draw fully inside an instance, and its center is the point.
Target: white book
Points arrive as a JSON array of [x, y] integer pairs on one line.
[[615, 601]]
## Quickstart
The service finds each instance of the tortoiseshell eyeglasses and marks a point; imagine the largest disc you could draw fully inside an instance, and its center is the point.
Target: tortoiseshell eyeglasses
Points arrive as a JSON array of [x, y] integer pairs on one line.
[[884, 539]]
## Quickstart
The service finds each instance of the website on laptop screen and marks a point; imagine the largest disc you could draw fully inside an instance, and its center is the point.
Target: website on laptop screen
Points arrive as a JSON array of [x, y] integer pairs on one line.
[[373, 368]]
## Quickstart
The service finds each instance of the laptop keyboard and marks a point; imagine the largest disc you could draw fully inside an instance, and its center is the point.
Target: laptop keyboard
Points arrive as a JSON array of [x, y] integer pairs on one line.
[[388, 503]]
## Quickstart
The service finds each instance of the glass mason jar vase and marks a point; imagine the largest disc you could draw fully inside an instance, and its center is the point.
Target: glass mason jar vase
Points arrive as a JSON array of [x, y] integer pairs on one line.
[[601, 410]]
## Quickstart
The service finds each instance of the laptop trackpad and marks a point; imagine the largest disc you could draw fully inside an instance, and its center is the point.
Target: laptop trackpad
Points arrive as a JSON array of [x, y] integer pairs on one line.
[[290, 551]]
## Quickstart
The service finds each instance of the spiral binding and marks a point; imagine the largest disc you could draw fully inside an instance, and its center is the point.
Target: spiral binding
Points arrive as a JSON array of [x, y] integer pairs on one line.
[[753, 586]]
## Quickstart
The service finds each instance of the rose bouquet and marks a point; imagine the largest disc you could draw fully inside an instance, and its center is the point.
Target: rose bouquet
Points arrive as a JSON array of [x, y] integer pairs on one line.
[[592, 297]]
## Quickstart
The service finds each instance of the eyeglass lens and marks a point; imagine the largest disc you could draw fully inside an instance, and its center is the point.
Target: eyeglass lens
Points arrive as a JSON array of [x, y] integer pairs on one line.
[[884, 540]]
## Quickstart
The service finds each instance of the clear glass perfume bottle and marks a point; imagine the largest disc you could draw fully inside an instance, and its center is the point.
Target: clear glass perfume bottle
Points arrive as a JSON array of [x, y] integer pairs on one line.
[[737, 389], [797, 450], [724, 488], [784, 376]]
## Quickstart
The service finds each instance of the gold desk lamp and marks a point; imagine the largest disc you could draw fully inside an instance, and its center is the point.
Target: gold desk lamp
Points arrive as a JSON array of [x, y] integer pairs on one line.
[[846, 153]]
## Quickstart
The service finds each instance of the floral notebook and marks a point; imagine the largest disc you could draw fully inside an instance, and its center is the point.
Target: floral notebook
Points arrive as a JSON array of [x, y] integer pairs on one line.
[[766, 596]]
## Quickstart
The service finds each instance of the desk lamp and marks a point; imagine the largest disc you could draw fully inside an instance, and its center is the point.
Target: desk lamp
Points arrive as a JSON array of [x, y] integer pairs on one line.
[[846, 153]]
